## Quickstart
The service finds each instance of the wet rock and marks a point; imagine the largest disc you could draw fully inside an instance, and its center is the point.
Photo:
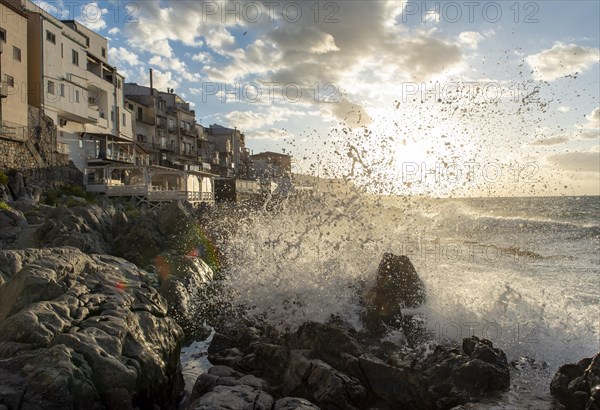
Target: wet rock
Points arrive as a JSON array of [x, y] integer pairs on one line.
[[294, 403], [320, 383], [180, 278], [12, 223], [334, 367], [397, 286], [16, 184], [224, 388], [87, 228], [577, 386], [79, 329], [453, 377]]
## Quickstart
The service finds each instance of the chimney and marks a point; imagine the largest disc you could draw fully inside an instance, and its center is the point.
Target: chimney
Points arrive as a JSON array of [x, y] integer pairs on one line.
[[151, 83]]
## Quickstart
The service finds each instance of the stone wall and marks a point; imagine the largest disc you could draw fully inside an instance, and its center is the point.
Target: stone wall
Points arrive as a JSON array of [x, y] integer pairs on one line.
[[37, 157]]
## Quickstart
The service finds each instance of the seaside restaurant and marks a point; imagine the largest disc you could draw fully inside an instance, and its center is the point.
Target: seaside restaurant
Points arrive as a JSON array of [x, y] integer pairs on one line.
[[150, 183]]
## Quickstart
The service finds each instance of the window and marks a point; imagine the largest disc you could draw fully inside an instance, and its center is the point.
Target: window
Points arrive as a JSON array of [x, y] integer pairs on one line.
[[75, 58], [140, 113], [9, 80], [2, 35], [62, 50], [61, 90], [103, 52], [119, 83], [51, 87], [124, 120], [76, 95], [50, 36], [16, 53], [80, 143]]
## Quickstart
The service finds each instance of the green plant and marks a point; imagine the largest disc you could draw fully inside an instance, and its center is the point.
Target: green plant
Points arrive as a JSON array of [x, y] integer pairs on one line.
[[52, 196], [4, 206], [3, 178]]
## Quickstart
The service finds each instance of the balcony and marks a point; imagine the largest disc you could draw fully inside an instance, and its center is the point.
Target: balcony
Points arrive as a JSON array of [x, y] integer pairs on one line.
[[116, 156], [188, 131], [148, 119], [164, 146]]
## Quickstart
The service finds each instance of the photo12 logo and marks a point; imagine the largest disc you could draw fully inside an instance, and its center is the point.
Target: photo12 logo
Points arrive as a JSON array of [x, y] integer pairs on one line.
[[470, 12], [269, 11], [268, 92]]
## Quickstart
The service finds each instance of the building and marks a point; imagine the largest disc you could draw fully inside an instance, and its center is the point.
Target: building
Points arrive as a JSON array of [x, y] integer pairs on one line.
[[174, 137], [71, 81], [13, 71], [271, 165], [233, 156], [206, 157]]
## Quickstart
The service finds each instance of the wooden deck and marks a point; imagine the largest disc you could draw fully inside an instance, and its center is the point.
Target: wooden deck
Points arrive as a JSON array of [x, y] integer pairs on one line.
[[151, 184]]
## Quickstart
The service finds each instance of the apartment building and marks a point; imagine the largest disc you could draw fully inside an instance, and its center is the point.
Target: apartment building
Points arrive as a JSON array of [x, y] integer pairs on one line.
[[233, 156], [206, 153], [13, 71], [271, 165], [71, 81], [174, 137]]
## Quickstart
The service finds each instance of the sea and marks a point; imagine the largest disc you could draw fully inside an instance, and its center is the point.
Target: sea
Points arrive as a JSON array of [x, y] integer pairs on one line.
[[521, 272]]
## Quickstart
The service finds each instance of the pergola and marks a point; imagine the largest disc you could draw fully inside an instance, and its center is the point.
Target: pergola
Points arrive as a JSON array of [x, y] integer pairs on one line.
[[151, 184]]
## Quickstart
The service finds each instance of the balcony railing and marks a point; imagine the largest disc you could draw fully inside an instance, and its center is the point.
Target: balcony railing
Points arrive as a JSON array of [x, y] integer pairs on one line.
[[186, 131], [166, 147], [117, 156], [148, 119], [148, 144]]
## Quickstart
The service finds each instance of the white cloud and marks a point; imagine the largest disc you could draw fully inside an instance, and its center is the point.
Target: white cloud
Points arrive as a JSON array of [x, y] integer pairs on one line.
[[588, 161], [561, 139], [55, 10], [175, 64], [470, 38], [564, 109], [593, 120], [114, 31], [120, 55], [91, 16], [271, 134], [562, 60]]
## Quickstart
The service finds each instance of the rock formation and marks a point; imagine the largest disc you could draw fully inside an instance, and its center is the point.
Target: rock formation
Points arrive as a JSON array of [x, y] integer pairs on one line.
[[82, 330]]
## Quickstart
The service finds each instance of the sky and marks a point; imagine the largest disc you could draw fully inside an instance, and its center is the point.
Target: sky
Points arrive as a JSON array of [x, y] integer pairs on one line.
[[471, 98]]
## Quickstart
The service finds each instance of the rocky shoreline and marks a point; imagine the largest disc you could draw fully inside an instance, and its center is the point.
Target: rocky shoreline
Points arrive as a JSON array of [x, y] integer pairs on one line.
[[96, 304]]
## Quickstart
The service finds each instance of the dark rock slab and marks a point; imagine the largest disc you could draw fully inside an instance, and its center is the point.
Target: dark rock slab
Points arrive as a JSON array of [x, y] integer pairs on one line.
[[577, 385], [397, 286], [84, 331]]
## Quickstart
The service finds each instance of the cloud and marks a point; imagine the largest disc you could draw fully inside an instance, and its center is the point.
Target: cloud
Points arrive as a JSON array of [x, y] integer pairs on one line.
[[367, 43], [119, 56], [470, 38], [91, 16], [564, 109], [593, 120], [114, 31], [271, 134], [577, 161], [561, 139], [55, 10], [562, 60], [255, 120]]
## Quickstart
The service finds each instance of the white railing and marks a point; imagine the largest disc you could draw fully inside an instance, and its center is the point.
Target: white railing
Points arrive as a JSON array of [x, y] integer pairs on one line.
[[126, 190]]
